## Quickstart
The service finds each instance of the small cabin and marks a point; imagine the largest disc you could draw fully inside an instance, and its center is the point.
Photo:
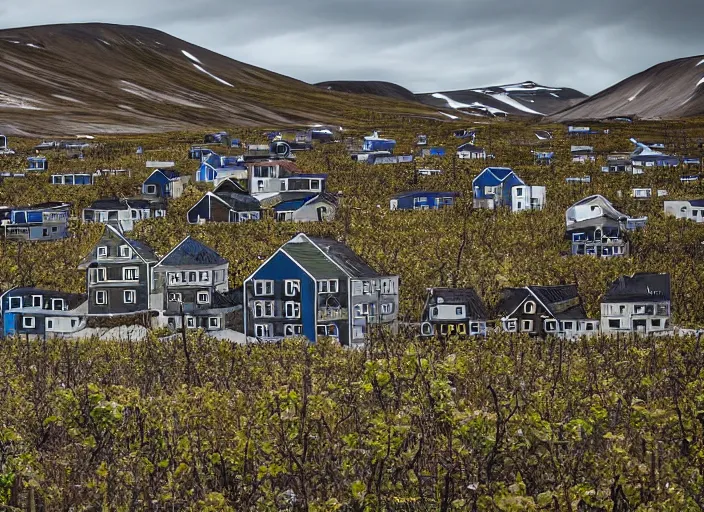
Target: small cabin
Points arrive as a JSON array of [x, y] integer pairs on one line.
[[163, 184], [421, 140], [375, 143], [37, 163], [471, 152]]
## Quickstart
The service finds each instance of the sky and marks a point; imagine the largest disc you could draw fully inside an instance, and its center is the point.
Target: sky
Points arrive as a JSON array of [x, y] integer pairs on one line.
[[423, 45]]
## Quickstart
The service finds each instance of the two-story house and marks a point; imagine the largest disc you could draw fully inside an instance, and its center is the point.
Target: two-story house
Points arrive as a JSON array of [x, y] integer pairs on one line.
[[316, 287], [582, 154], [41, 313], [191, 283], [637, 304], [690, 210], [273, 177], [423, 200], [41, 222], [163, 184], [228, 202], [454, 311], [214, 167], [542, 311], [118, 272], [122, 213], [596, 228], [497, 187]]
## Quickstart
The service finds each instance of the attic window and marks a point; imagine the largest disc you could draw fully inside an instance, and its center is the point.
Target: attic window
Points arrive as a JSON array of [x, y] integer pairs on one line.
[[529, 308], [125, 251], [102, 252]]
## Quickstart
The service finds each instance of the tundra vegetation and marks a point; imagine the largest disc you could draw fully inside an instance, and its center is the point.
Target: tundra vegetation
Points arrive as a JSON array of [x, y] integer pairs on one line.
[[503, 423]]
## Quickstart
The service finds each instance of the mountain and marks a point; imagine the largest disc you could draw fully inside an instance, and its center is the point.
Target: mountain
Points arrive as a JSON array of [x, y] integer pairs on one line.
[[670, 90], [100, 78], [384, 89]]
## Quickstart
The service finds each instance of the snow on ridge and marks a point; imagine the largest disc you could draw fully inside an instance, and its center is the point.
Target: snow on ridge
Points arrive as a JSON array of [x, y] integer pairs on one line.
[[89, 137], [698, 64], [10, 101], [200, 68], [448, 115], [700, 82], [553, 94], [31, 45], [66, 98], [104, 42], [457, 105], [191, 57], [505, 98]]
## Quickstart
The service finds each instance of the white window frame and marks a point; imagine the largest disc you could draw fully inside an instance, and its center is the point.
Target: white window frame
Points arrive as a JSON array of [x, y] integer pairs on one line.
[[125, 253], [315, 184], [511, 325], [190, 322], [474, 328], [293, 330], [262, 330], [175, 278], [295, 309], [129, 296], [529, 305], [553, 323], [175, 297], [529, 324], [41, 301], [54, 301], [49, 323], [101, 293], [387, 308], [31, 324], [267, 287], [16, 299], [199, 298], [361, 310], [102, 251], [327, 285], [292, 287], [125, 270], [204, 276], [214, 322], [150, 189], [101, 275], [264, 305]]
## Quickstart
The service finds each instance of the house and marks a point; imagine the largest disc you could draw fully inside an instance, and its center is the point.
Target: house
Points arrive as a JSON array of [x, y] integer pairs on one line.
[[583, 154], [617, 163], [375, 143], [497, 187], [423, 200], [542, 311], [578, 179], [276, 176], [191, 283], [199, 153], [122, 213], [543, 157], [37, 164], [4, 149], [229, 202], [644, 156], [438, 151], [379, 159], [580, 131], [40, 222], [596, 228], [320, 208], [469, 151], [214, 166], [641, 193], [637, 304], [71, 179], [316, 287], [692, 209], [163, 185], [118, 275], [453, 311], [464, 134], [688, 161], [41, 313], [429, 172], [321, 134], [217, 138]]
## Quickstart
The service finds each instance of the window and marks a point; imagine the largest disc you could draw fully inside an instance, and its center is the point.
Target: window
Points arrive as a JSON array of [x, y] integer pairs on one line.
[[98, 275], [263, 288], [292, 310], [639, 310], [263, 308], [567, 326], [54, 229], [328, 330], [519, 191], [315, 184], [490, 191], [551, 325], [190, 322], [262, 330], [135, 214], [102, 252], [589, 326], [292, 287], [175, 278], [511, 325], [130, 296], [57, 304], [203, 297], [614, 324], [36, 301], [461, 329], [459, 311], [125, 251], [49, 323], [204, 277], [366, 288], [214, 322], [361, 310], [260, 186], [529, 307], [387, 309], [175, 297], [28, 322], [101, 297], [656, 322], [330, 286], [293, 330], [527, 326], [474, 328], [15, 302], [193, 277], [150, 189], [130, 274]]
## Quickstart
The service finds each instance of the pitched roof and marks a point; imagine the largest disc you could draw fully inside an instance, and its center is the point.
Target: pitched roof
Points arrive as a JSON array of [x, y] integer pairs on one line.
[[118, 204], [142, 250], [192, 252], [642, 287], [561, 302], [73, 300], [464, 296], [500, 173]]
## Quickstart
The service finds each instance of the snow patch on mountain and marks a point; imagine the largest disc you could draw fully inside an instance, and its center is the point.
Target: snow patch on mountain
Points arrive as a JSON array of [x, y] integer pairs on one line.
[[200, 68], [193, 58], [505, 98]]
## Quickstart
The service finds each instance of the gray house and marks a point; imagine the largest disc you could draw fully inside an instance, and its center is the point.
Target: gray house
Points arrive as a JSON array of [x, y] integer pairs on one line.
[[453, 311], [637, 304], [316, 287], [117, 275], [191, 282]]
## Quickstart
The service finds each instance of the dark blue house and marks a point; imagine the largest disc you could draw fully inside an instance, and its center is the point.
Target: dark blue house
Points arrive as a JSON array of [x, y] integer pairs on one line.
[[423, 200], [46, 221], [163, 185], [218, 167], [495, 184], [375, 143], [37, 163], [34, 312]]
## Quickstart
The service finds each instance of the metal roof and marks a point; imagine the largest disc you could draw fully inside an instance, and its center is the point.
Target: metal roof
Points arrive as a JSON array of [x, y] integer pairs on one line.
[[192, 252], [461, 296], [642, 287]]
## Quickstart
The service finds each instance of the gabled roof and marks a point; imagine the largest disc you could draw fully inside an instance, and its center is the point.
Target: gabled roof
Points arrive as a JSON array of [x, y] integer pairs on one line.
[[287, 165], [642, 287], [73, 300], [607, 209], [460, 296], [229, 185], [561, 302], [323, 257], [295, 204], [142, 250], [168, 173], [191, 252], [500, 173], [470, 148]]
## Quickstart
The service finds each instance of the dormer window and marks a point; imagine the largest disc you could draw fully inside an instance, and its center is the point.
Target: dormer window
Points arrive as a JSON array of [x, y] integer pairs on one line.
[[315, 184], [102, 252], [57, 304], [125, 251], [529, 308]]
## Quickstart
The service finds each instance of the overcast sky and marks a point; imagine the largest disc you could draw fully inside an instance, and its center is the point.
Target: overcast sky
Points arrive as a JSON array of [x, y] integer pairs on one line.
[[424, 45]]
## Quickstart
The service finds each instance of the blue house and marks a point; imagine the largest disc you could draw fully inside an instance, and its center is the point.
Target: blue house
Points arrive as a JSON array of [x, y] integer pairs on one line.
[[46, 221], [544, 157], [34, 312], [315, 287], [423, 200], [375, 143], [37, 163], [216, 167], [163, 184], [492, 187]]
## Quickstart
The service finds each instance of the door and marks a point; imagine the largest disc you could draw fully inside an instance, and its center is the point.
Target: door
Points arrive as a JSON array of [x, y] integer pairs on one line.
[[9, 320], [322, 212], [640, 326]]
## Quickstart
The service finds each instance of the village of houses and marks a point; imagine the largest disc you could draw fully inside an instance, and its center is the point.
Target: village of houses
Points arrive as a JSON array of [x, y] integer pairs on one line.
[[316, 287]]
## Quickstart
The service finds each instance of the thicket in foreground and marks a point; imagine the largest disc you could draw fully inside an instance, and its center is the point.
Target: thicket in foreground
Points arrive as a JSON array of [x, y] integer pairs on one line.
[[504, 423]]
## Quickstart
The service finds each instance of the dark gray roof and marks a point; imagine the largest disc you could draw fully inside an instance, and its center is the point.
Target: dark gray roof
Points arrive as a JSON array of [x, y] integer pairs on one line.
[[73, 300], [460, 296], [511, 298], [641, 287], [118, 204], [562, 301], [346, 258], [146, 252], [192, 252]]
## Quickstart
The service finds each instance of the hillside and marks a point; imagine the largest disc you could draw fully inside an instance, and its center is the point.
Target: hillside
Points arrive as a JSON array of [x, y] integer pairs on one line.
[[385, 89], [670, 90], [100, 78]]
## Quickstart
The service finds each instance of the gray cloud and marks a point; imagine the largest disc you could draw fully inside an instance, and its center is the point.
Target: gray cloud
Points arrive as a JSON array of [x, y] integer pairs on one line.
[[420, 44]]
